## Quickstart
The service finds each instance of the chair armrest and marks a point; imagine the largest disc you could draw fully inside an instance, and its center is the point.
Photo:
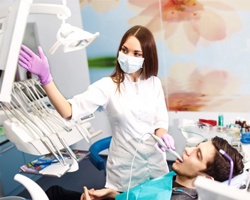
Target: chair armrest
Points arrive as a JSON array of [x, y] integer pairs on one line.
[[95, 149]]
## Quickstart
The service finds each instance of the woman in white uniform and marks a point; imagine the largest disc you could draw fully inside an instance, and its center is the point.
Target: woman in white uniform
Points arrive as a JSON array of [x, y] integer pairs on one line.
[[134, 101]]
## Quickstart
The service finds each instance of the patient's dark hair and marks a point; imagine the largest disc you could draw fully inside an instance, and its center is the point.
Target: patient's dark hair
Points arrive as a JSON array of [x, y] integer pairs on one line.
[[219, 169]]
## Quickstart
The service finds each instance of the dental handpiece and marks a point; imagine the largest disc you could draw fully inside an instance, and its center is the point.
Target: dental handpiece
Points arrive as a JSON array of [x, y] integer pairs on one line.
[[171, 151]]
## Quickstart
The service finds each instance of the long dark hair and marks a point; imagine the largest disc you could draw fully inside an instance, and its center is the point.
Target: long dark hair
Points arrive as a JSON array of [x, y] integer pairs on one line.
[[150, 65]]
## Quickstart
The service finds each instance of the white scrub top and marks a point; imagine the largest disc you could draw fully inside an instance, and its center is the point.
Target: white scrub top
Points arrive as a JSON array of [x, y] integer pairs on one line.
[[139, 108]]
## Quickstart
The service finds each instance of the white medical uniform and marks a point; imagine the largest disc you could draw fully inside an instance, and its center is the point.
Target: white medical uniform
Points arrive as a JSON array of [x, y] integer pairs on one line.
[[138, 108]]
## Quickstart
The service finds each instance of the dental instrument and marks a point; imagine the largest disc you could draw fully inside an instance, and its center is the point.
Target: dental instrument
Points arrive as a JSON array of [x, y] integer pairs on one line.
[[39, 90], [161, 142], [31, 117], [44, 163], [19, 112], [38, 110], [39, 130], [83, 129], [33, 126]]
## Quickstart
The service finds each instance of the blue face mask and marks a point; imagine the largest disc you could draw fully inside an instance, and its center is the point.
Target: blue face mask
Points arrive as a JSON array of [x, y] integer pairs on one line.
[[129, 64]]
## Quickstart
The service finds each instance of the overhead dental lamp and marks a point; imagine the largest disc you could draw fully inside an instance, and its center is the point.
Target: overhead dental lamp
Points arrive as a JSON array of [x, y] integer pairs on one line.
[[70, 37]]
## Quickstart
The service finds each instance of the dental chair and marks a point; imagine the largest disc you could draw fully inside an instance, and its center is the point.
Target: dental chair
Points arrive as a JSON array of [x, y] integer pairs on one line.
[[209, 189], [95, 150], [36, 192]]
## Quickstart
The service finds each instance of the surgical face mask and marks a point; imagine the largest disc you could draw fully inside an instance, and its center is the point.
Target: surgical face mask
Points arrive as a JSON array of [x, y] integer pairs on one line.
[[129, 64]]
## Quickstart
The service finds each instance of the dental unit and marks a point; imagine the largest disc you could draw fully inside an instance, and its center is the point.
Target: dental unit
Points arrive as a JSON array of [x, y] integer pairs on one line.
[[13, 20], [32, 125]]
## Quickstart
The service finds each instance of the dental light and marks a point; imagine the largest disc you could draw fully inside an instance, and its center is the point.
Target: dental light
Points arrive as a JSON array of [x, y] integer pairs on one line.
[[70, 37]]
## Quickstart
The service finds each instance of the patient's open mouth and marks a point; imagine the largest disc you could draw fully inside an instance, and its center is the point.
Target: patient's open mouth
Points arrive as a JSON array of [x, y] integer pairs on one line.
[[179, 161]]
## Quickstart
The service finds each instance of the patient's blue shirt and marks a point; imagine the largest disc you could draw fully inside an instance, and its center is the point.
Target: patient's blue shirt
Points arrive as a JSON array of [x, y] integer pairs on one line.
[[158, 189]]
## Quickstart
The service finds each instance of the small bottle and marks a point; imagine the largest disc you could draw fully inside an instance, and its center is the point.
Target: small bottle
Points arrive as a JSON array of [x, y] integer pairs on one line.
[[243, 126], [232, 123], [220, 123]]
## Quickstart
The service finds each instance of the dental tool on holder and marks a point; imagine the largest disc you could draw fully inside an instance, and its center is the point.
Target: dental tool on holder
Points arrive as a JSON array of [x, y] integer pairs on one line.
[[39, 130], [161, 142], [83, 130], [32, 121]]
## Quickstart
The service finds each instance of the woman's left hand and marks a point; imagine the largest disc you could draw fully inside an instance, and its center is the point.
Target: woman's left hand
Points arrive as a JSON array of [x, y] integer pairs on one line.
[[169, 141]]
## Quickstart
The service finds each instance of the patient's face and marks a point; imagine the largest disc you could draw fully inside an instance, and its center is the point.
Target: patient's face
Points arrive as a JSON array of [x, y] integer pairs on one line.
[[195, 159]]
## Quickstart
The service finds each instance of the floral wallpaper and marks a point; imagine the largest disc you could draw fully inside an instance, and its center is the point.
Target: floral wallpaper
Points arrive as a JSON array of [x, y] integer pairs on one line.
[[203, 47]]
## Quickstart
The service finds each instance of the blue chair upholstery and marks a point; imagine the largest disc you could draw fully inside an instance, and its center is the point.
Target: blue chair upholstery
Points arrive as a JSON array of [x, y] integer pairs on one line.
[[95, 149]]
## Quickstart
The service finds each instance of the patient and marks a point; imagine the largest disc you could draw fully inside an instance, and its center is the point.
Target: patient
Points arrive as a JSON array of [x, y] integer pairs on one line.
[[204, 160]]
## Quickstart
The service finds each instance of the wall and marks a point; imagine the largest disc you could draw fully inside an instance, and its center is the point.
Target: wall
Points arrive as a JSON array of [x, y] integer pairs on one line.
[[72, 76], [203, 48], [203, 53]]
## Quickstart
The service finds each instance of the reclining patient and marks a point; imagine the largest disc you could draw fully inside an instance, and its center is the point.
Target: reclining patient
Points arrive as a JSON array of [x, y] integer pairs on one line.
[[205, 160]]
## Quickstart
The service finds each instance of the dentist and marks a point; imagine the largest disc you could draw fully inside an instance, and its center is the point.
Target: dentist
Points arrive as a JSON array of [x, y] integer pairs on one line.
[[133, 99]]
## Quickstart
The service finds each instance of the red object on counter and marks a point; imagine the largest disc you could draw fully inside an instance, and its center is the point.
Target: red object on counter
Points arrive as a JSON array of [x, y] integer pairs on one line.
[[208, 121]]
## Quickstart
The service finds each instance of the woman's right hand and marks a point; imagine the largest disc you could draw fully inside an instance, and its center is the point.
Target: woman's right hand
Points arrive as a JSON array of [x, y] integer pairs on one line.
[[36, 64]]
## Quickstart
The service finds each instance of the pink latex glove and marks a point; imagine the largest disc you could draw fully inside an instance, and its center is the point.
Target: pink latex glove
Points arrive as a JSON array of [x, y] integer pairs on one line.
[[169, 141], [36, 64]]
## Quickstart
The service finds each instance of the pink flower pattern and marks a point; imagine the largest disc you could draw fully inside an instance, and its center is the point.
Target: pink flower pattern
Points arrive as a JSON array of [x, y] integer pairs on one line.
[[203, 89], [100, 6], [188, 23]]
